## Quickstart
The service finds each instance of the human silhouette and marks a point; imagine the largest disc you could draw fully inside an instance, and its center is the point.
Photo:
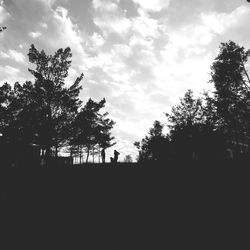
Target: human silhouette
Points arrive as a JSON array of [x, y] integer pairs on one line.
[[116, 154], [103, 155]]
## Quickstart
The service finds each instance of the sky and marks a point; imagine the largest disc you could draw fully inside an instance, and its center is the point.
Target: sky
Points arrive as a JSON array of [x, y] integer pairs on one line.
[[141, 55]]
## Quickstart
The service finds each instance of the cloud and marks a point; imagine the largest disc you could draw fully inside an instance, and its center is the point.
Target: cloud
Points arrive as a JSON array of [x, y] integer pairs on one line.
[[96, 40], [13, 54], [35, 34], [145, 26], [221, 22], [10, 74], [110, 18], [4, 55], [3, 13], [17, 56], [9, 70], [49, 3], [191, 36], [152, 5], [106, 5], [112, 24], [141, 55], [44, 25], [68, 33]]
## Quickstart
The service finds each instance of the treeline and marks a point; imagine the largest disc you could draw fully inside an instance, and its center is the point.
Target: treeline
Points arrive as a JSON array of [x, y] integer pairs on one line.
[[41, 117], [212, 127]]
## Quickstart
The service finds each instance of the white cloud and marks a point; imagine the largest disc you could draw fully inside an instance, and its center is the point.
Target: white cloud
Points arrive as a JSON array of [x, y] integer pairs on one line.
[[110, 18], [153, 5], [106, 5], [113, 63], [10, 70], [44, 25], [183, 69], [9, 74], [145, 26], [97, 40], [3, 13], [13, 54], [4, 55], [221, 22], [49, 3], [69, 33], [35, 34], [191, 35], [113, 24], [17, 56]]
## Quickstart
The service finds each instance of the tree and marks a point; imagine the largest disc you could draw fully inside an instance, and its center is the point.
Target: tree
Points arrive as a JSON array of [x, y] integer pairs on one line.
[[40, 113], [128, 159], [17, 120], [187, 113], [232, 93], [92, 128], [192, 125], [104, 137], [153, 145], [57, 104]]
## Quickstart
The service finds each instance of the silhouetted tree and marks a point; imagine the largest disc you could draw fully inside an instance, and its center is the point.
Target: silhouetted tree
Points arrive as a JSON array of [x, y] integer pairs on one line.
[[57, 104], [184, 124], [208, 127], [92, 128], [17, 118], [187, 113], [40, 113], [128, 159], [232, 94], [152, 147], [104, 137], [193, 128]]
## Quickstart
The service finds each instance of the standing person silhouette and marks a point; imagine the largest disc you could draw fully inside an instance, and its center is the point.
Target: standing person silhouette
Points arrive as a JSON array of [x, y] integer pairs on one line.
[[103, 155], [116, 154]]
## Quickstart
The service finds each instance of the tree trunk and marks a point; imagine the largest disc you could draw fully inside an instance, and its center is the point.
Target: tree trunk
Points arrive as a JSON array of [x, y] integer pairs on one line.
[[47, 155], [71, 156], [87, 159], [93, 151], [99, 154], [80, 156]]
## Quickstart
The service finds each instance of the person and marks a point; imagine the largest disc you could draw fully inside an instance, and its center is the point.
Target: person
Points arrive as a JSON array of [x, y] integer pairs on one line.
[[103, 155], [116, 154]]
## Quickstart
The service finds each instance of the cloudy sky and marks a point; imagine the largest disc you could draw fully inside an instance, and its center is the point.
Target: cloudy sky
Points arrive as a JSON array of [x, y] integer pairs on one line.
[[141, 55]]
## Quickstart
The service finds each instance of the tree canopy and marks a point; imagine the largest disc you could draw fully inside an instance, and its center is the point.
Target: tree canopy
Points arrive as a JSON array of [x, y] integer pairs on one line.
[[92, 128], [208, 126], [48, 113]]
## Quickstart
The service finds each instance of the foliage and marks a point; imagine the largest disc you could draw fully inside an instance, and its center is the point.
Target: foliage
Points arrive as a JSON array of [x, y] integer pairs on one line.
[[152, 145], [92, 128], [208, 126], [128, 159], [48, 114], [232, 93], [58, 105]]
